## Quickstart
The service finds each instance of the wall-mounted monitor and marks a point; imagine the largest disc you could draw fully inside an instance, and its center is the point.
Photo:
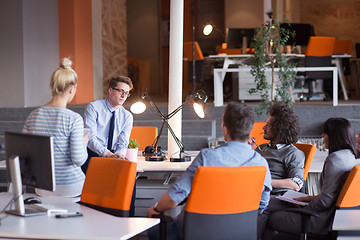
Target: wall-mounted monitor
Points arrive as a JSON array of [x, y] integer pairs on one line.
[[235, 37], [29, 162], [303, 32]]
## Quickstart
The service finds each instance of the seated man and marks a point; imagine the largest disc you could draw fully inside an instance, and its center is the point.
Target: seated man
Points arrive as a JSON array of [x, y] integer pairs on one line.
[[238, 121], [286, 162]]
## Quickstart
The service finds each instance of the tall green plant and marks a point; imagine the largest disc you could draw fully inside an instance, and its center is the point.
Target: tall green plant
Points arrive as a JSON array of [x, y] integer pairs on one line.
[[267, 43]]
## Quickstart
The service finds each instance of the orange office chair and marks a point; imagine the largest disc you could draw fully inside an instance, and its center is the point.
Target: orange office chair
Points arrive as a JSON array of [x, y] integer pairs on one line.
[[216, 209], [349, 197], [109, 185], [309, 151], [144, 135], [258, 133], [318, 54]]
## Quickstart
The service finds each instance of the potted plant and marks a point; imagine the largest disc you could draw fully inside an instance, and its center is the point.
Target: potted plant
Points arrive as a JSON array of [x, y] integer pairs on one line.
[[132, 150], [268, 43]]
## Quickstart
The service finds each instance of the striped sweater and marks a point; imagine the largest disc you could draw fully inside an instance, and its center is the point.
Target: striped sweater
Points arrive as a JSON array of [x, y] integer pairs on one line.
[[67, 129]]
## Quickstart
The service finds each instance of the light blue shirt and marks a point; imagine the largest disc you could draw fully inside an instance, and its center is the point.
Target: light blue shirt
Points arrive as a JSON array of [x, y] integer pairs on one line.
[[231, 154], [97, 118]]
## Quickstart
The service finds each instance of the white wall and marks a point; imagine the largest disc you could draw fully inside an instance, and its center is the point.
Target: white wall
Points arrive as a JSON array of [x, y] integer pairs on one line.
[[29, 51], [11, 48], [41, 49], [244, 13]]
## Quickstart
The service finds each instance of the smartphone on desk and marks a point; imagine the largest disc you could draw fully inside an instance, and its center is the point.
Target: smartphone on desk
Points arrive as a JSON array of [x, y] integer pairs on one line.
[[68, 214]]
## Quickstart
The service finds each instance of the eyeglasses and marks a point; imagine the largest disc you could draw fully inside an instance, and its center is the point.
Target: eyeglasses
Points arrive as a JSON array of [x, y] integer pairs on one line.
[[122, 92]]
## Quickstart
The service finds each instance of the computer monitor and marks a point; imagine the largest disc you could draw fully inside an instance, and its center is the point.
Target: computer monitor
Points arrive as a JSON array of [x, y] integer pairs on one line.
[[235, 36], [29, 162], [303, 31]]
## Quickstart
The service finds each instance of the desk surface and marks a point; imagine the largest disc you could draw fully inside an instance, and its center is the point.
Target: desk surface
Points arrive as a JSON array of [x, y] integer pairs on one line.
[[93, 224], [285, 54], [164, 166], [146, 166], [347, 220]]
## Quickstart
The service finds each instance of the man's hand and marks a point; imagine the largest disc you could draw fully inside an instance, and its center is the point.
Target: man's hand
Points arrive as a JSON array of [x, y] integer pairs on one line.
[[285, 183], [110, 155], [151, 211], [119, 155], [115, 155]]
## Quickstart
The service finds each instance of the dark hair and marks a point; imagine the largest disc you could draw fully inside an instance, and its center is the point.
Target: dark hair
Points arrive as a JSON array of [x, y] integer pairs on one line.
[[341, 135], [239, 120], [285, 125], [115, 80]]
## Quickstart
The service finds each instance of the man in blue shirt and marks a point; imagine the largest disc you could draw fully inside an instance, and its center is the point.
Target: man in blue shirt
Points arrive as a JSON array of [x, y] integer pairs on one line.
[[106, 140], [110, 125], [237, 123]]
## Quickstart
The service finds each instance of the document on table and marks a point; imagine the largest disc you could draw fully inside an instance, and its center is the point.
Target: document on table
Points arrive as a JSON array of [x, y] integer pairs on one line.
[[290, 195]]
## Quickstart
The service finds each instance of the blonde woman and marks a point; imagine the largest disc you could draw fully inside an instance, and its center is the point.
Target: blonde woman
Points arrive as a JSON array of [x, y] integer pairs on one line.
[[67, 129]]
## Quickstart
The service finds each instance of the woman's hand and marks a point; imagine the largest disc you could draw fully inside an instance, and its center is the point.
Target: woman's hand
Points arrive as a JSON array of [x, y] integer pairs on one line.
[[305, 199], [86, 138]]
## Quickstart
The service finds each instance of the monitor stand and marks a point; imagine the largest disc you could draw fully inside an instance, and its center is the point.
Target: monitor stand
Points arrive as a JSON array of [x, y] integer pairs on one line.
[[15, 175]]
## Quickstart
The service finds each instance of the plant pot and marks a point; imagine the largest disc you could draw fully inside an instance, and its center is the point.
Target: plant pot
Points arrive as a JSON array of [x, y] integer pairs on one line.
[[131, 154]]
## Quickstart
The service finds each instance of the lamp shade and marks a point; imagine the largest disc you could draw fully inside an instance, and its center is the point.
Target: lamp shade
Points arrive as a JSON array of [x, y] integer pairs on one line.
[[199, 110], [207, 29], [138, 107], [200, 99]]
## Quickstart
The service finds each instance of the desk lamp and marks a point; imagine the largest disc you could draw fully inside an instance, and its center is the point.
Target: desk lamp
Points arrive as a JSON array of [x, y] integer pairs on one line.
[[154, 152]]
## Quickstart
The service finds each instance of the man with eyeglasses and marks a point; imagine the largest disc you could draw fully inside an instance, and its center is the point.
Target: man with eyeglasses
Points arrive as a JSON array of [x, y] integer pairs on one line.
[[109, 122]]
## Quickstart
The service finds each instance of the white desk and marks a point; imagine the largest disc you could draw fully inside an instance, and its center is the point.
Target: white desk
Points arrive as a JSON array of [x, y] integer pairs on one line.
[[161, 166], [218, 80], [153, 180], [347, 223], [312, 181], [337, 60], [93, 225], [241, 61]]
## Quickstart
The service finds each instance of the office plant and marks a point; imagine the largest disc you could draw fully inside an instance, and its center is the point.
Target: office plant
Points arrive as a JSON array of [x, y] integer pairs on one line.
[[268, 43], [132, 150], [133, 144]]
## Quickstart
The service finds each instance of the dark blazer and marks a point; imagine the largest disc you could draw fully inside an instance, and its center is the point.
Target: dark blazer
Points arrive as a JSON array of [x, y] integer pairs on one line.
[[335, 171]]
